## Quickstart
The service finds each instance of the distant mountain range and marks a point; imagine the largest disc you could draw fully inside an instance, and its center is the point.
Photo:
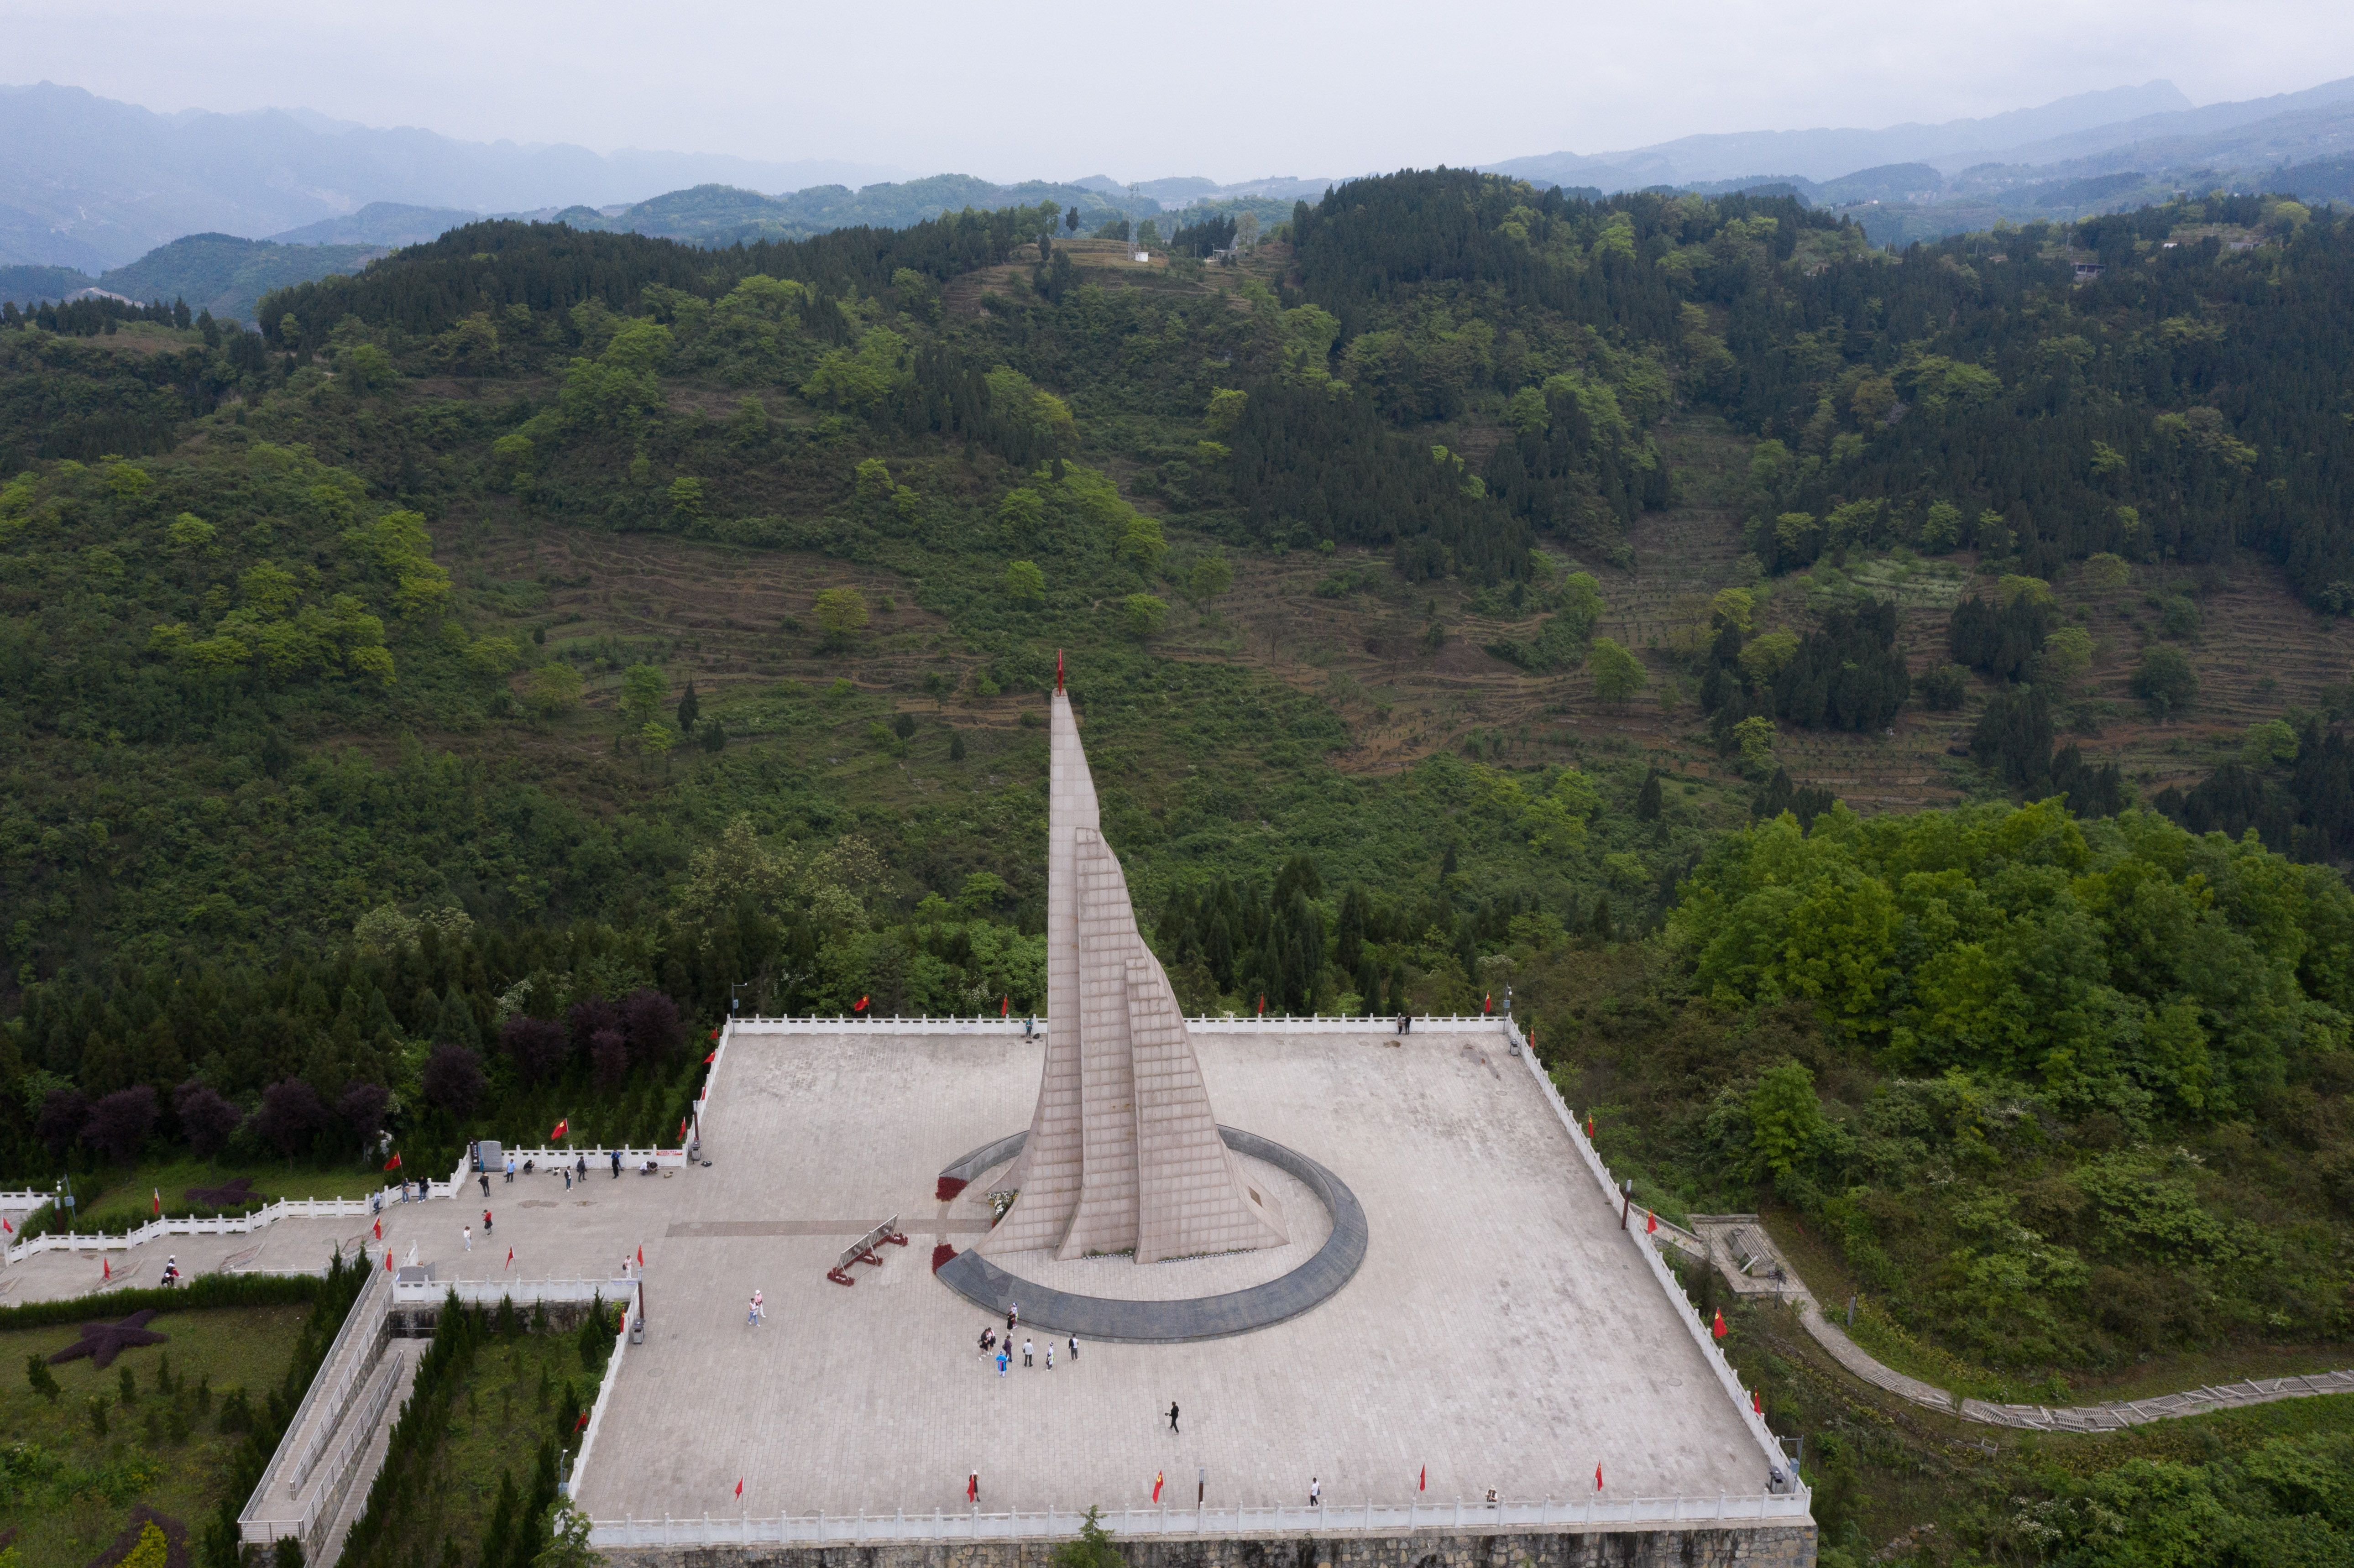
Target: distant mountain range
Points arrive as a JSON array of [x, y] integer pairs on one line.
[[99, 194]]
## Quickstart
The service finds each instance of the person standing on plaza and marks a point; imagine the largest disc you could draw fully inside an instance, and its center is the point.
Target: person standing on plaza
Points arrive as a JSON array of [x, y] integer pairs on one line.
[[1315, 1491], [486, 1183], [486, 1222], [1172, 1415], [1049, 1355], [1001, 1360], [1075, 1346], [467, 1232], [1025, 1353], [753, 1317], [510, 1167]]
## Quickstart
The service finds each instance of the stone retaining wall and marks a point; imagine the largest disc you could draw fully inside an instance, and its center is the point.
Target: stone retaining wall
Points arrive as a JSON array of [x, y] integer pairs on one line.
[[1756, 1546]]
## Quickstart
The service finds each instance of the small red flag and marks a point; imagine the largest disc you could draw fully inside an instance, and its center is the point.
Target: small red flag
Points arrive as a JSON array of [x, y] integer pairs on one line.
[[1589, 1125], [387, 1260], [714, 1035], [561, 1129], [1597, 1478], [682, 1129], [1156, 1485], [1488, 1002], [1003, 1003], [1757, 1401], [393, 1163], [5, 1225], [1650, 1224], [972, 1487], [510, 1258], [159, 1198], [1424, 1484], [641, 1257], [858, 1006], [739, 1485], [713, 1057], [379, 1230], [582, 1421], [1719, 1329], [108, 1266], [1058, 669], [1262, 1004]]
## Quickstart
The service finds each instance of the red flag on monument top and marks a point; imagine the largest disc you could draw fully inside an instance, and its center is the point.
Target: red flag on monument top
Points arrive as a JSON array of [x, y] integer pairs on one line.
[[561, 1129], [858, 1006], [393, 1163]]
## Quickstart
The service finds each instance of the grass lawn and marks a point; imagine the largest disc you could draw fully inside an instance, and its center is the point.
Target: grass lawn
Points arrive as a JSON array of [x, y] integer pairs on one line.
[[66, 1490]]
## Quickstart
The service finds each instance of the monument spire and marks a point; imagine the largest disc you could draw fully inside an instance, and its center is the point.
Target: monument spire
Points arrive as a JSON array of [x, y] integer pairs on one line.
[[1123, 1151]]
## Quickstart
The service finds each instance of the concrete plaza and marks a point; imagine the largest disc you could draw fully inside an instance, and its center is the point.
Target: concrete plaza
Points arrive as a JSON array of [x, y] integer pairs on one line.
[[1502, 1331]]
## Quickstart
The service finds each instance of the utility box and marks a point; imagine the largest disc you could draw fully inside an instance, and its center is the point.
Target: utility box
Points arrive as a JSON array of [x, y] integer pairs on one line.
[[638, 1330], [489, 1157]]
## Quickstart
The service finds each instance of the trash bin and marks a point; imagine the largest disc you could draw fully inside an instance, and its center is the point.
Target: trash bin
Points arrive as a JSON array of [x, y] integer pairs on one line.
[[638, 1330]]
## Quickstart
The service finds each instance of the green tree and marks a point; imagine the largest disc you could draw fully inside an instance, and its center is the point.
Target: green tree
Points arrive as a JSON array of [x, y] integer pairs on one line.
[[1143, 614], [1226, 410], [690, 708], [685, 498], [2166, 682], [1093, 1549], [2067, 654], [1209, 577], [658, 739], [841, 613], [643, 690], [1617, 674], [552, 689], [1786, 1120], [44, 1382], [1025, 585]]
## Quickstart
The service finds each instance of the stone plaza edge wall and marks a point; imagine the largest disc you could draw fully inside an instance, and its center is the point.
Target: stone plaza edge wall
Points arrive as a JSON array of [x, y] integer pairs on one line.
[[1746, 1546]]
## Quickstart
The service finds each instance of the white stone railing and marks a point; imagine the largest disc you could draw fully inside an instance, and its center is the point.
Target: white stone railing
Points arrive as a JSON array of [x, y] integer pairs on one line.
[[488, 1292], [223, 1225], [1595, 1511], [600, 1159], [604, 1399], [338, 1402], [1325, 1023], [1769, 1446], [24, 1200], [320, 1514], [258, 1524]]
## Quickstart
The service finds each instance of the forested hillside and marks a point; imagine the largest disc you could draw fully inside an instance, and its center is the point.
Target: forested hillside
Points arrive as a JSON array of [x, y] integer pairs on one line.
[[431, 712]]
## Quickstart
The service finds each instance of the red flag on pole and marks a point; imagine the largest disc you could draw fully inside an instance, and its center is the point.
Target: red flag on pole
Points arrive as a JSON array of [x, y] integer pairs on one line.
[[582, 1421], [379, 1230], [1262, 1004], [1597, 1478], [1003, 1003], [1757, 1401], [682, 1129], [1719, 1329], [972, 1487], [858, 1006], [641, 1257], [1589, 1125], [713, 1057], [159, 1198], [714, 1035], [107, 1265], [387, 1260], [510, 1258], [393, 1163], [1488, 1002], [739, 1485], [1058, 669], [1650, 1224], [5, 1225], [561, 1129], [1422, 1484]]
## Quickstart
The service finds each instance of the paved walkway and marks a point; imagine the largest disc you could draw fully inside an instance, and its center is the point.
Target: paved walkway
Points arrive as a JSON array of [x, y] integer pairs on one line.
[[1727, 1239]]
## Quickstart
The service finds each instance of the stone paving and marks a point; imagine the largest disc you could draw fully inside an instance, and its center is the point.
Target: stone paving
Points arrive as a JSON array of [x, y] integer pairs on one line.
[[1502, 1332]]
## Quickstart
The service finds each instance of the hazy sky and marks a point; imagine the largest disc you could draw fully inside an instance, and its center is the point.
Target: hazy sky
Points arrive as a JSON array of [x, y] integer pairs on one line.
[[1024, 88]]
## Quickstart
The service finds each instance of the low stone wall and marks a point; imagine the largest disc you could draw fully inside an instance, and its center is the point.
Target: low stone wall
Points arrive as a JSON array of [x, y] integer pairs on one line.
[[1755, 1546]]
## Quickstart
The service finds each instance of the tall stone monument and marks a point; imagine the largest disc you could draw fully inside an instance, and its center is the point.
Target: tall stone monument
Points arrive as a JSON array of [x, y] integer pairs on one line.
[[1123, 1151]]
